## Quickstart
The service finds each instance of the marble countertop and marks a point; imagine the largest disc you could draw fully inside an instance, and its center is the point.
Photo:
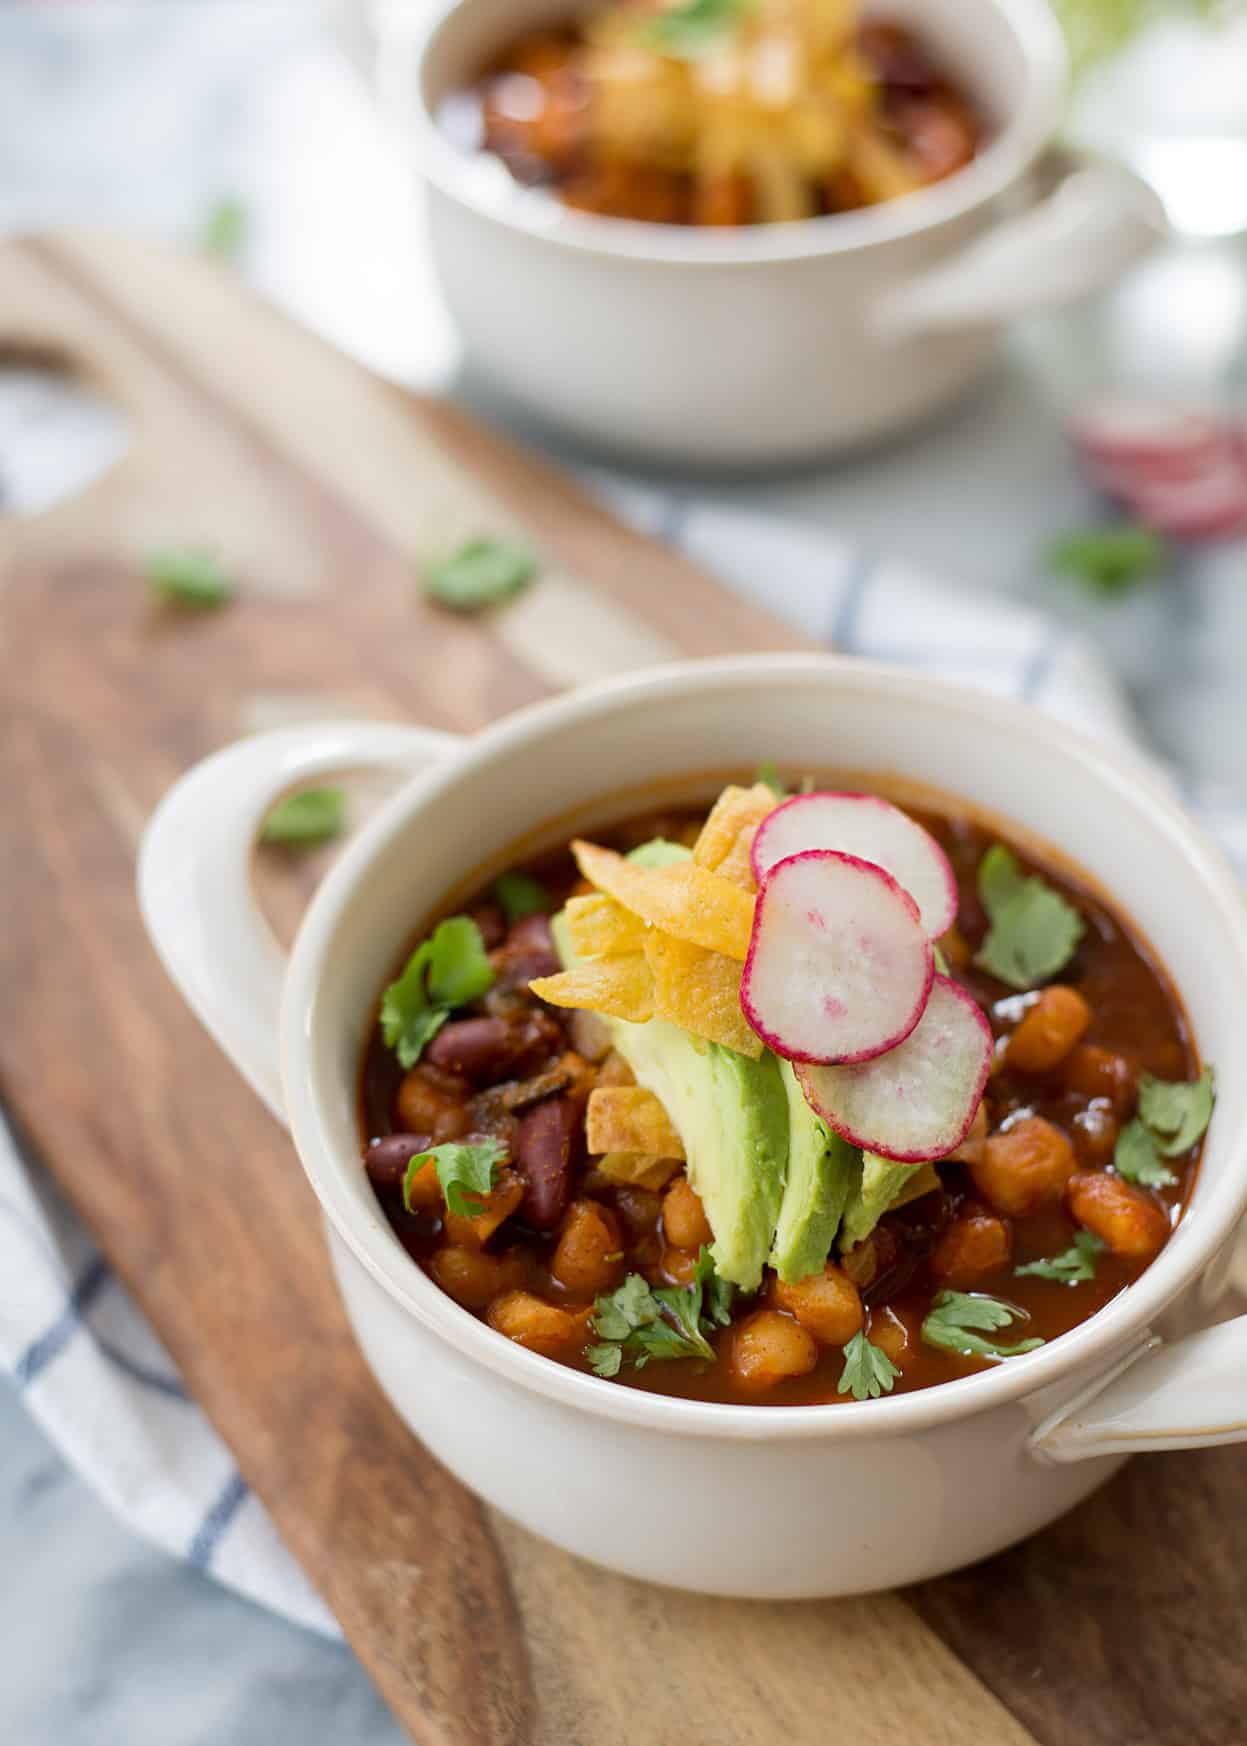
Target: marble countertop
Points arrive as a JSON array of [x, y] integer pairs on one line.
[[145, 114]]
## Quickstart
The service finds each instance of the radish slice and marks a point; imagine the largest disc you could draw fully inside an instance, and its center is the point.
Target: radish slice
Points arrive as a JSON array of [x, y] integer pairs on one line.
[[1155, 439], [872, 829], [918, 1101], [1207, 507], [839, 967]]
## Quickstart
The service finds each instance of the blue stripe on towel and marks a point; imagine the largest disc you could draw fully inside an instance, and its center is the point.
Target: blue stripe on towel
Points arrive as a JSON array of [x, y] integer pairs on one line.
[[156, 1380], [843, 633], [40, 1353], [212, 1529]]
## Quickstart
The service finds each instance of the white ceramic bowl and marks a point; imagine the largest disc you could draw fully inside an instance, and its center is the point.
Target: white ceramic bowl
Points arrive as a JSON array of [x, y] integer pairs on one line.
[[771, 342], [763, 1501]]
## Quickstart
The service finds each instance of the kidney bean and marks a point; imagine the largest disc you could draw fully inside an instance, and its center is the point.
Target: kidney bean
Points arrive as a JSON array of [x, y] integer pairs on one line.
[[478, 1048], [542, 1153], [492, 924], [529, 951], [386, 1160]]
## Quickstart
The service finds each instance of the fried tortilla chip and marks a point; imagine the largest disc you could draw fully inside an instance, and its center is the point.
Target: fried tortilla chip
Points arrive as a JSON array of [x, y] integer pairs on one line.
[[619, 987], [638, 1169], [687, 901], [628, 1118], [736, 810], [601, 928], [737, 864], [700, 991]]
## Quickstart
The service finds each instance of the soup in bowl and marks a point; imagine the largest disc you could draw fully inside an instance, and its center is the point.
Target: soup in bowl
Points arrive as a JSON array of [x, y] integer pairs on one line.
[[842, 1387]]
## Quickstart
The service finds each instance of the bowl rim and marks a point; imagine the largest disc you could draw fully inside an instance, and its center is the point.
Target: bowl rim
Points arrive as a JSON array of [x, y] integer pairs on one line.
[[407, 41], [1093, 1347]]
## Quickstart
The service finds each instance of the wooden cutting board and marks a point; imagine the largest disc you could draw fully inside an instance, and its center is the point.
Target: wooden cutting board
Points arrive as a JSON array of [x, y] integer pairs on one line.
[[322, 487]]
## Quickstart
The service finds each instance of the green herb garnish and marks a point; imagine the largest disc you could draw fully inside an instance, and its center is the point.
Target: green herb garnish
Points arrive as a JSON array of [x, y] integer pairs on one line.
[[658, 852], [868, 1371], [941, 962], [300, 820], [1033, 930], [517, 896], [225, 228], [1071, 1266], [1136, 1156], [447, 970], [768, 774], [188, 578], [482, 573], [1109, 561], [955, 1317], [1177, 1112], [1173, 1115], [690, 28], [463, 1171], [640, 1322]]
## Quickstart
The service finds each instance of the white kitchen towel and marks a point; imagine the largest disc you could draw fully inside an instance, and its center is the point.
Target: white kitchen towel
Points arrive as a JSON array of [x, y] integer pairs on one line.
[[87, 1363]]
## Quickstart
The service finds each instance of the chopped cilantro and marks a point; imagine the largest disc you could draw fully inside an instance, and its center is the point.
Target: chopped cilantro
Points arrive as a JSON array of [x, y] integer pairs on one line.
[[1136, 1157], [1109, 561], [1177, 1112], [482, 573], [462, 1170], [955, 1318], [300, 820], [1071, 1266], [643, 1322], [1173, 1115], [448, 969], [1033, 930], [517, 896], [225, 227], [186, 577], [868, 1371], [687, 29]]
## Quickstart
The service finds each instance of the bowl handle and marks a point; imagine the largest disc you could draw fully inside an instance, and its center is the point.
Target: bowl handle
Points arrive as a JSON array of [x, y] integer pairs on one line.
[[1080, 238], [1188, 1394], [194, 875]]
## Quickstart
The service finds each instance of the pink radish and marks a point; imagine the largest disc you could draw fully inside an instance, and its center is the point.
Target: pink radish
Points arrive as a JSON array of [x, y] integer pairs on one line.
[[1156, 440], [1209, 506], [839, 966], [872, 829], [918, 1101]]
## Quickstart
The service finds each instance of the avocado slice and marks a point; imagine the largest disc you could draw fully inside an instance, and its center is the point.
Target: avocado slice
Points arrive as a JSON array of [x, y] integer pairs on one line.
[[882, 1180], [823, 1171], [732, 1115]]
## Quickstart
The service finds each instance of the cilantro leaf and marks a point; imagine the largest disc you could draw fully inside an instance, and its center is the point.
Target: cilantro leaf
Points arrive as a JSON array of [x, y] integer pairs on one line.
[[225, 227], [641, 1322], [1033, 930], [1071, 1266], [768, 774], [1177, 1113], [689, 28], [941, 962], [459, 967], [483, 572], [448, 969], [868, 1371], [517, 896], [314, 816], [1109, 561], [955, 1317], [461, 1170], [186, 577], [1135, 1156]]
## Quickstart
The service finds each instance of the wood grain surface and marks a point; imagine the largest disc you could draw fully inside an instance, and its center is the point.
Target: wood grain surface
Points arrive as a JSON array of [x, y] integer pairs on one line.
[[323, 488]]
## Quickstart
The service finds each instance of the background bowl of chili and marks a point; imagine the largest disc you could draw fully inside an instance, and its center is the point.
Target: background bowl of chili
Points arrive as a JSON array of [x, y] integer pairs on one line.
[[768, 1501], [766, 342]]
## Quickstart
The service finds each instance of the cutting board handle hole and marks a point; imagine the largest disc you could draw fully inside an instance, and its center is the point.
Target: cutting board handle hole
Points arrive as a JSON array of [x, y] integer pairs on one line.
[[57, 434]]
